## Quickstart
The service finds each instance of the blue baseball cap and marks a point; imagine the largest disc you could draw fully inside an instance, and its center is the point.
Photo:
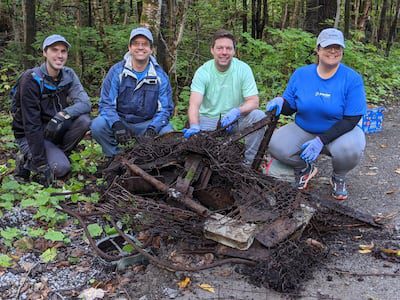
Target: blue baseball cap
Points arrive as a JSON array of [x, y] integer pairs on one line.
[[55, 38], [330, 36], [141, 31]]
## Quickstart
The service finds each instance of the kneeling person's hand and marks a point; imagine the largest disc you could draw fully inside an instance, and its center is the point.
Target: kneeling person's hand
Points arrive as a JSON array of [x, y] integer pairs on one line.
[[121, 133], [188, 132], [230, 117], [277, 103], [150, 132], [311, 149], [55, 126], [45, 175]]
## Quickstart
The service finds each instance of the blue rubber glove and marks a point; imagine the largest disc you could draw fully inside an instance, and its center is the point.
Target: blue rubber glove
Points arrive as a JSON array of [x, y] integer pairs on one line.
[[311, 149], [230, 117], [277, 103], [188, 132]]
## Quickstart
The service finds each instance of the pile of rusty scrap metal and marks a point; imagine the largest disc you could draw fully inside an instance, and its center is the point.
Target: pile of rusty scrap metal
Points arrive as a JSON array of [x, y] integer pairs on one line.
[[197, 195]]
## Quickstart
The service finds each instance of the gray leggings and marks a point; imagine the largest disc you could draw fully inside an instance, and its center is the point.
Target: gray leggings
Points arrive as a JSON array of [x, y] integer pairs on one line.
[[346, 151]]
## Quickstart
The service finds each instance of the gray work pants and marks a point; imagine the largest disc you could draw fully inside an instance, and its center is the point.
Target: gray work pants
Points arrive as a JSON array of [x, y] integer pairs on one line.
[[57, 154], [252, 141], [346, 150]]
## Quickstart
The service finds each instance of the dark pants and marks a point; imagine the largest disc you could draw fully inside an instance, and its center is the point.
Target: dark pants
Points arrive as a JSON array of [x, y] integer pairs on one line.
[[57, 153]]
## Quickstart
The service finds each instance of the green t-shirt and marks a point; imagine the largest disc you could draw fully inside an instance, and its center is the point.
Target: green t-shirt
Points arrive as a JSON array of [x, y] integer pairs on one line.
[[223, 91]]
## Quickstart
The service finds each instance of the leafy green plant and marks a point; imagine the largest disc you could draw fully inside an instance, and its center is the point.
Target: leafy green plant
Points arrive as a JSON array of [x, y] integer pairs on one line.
[[5, 261], [9, 234], [49, 255], [54, 236], [95, 230]]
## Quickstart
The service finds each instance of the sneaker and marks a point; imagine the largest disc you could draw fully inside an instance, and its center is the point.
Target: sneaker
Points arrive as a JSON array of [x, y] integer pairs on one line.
[[21, 173], [339, 191], [305, 175]]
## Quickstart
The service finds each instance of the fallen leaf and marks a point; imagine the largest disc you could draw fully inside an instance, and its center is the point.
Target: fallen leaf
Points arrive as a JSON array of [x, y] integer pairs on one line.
[[383, 145], [364, 251], [315, 244], [397, 171], [207, 287], [373, 168], [91, 294], [391, 251], [366, 247], [390, 192], [371, 173], [184, 283]]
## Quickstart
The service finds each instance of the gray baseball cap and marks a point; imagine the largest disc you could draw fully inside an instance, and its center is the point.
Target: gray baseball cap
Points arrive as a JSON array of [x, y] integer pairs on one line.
[[55, 38], [141, 31], [330, 36]]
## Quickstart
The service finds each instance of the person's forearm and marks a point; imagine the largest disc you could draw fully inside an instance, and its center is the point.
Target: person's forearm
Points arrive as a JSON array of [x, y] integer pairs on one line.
[[250, 104], [193, 115]]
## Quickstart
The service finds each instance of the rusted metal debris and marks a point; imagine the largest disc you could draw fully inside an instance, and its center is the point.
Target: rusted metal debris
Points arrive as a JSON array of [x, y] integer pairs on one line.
[[169, 187]]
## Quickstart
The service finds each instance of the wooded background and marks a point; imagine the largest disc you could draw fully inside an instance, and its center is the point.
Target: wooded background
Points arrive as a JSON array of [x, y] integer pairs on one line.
[[274, 36]]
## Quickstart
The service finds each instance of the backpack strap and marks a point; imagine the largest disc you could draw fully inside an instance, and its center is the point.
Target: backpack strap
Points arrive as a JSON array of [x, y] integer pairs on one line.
[[37, 75]]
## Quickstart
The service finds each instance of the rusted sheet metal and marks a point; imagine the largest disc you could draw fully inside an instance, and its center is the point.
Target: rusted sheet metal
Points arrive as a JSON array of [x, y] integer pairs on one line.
[[272, 234], [344, 210], [256, 252]]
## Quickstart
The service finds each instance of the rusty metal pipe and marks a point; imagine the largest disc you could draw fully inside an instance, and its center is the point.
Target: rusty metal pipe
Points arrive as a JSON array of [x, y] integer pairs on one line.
[[177, 195]]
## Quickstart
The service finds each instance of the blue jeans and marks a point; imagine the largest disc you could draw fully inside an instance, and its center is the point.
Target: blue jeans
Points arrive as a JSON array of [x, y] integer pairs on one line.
[[252, 141], [104, 135]]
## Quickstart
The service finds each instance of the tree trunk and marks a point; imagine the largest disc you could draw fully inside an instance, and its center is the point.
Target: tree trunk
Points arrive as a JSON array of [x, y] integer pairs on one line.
[[253, 18], [139, 9], [244, 16], [357, 10], [151, 17], [363, 19], [337, 17], [29, 14], [15, 22], [347, 8], [258, 8], [317, 14], [392, 31], [77, 46], [381, 28], [106, 12], [296, 13], [99, 24], [284, 17], [90, 21]]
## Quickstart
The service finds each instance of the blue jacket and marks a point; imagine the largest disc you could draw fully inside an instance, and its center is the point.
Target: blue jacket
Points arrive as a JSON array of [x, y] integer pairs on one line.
[[123, 97]]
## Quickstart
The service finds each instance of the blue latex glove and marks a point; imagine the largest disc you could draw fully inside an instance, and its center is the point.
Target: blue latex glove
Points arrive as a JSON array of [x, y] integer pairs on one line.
[[230, 117], [277, 103], [188, 132], [311, 149]]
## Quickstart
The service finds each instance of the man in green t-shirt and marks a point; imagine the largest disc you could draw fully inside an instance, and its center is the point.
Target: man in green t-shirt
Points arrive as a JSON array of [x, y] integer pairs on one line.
[[225, 86]]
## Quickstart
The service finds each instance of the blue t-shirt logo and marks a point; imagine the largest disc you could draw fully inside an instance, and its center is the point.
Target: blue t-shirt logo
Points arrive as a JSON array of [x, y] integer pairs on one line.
[[325, 96]]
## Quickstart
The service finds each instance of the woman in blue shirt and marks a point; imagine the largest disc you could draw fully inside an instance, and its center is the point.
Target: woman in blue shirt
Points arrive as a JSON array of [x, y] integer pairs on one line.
[[328, 99]]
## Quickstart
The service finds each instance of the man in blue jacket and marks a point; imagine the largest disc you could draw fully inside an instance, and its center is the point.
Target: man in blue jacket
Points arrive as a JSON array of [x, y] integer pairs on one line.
[[50, 111], [136, 97]]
